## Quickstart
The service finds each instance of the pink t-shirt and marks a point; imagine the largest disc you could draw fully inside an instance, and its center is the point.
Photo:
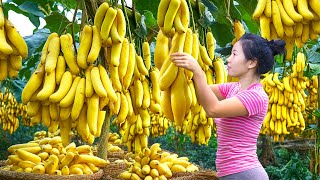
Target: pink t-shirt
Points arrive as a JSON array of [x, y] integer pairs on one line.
[[237, 136]]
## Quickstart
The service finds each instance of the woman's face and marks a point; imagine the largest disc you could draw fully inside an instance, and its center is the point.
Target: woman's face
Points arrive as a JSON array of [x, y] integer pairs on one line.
[[237, 63]]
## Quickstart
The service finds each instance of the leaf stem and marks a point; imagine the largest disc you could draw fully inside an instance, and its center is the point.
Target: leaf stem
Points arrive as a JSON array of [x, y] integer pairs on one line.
[[127, 20]]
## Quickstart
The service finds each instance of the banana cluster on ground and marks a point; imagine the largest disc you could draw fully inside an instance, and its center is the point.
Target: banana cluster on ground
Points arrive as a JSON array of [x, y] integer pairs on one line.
[[13, 48], [10, 112], [173, 16], [153, 163], [49, 156], [286, 101], [293, 21]]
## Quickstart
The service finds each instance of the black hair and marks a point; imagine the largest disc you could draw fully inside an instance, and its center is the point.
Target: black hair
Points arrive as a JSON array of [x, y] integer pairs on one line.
[[257, 48]]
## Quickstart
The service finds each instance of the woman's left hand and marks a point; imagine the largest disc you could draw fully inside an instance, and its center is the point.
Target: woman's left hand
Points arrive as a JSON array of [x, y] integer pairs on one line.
[[186, 61]]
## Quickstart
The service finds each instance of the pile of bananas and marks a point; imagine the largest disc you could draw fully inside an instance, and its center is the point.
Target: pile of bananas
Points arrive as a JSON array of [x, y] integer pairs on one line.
[[49, 156], [294, 21], [154, 163], [173, 16], [10, 112], [286, 101], [13, 48], [39, 135]]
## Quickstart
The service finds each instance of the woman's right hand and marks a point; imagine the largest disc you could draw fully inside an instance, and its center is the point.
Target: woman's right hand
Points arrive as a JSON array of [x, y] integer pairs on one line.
[[186, 61]]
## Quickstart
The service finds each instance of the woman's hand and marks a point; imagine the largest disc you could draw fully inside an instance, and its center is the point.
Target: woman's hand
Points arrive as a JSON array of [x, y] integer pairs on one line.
[[186, 61]]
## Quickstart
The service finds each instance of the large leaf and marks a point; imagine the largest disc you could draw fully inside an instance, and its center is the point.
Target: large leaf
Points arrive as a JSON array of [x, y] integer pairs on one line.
[[31, 8], [10, 6], [36, 41], [149, 5], [218, 10], [246, 7], [222, 32], [35, 20], [57, 22]]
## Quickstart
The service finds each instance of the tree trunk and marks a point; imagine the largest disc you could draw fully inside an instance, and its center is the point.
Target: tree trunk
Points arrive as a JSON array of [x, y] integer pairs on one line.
[[103, 143], [267, 155]]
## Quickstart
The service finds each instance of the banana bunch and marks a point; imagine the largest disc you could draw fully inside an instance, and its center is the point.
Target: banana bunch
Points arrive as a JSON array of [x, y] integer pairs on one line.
[[154, 163], [293, 21], [39, 135], [13, 48], [238, 31], [177, 87], [111, 24], [311, 101], [59, 97], [89, 48], [49, 156], [114, 138], [173, 16], [10, 112], [159, 125], [286, 101]]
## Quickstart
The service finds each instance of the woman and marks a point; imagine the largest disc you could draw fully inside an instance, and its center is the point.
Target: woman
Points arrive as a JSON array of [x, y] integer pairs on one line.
[[238, 107]]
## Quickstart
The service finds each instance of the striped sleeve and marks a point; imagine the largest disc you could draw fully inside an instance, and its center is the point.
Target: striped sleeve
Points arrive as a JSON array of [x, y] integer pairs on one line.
[[252, 100], [225, 88]]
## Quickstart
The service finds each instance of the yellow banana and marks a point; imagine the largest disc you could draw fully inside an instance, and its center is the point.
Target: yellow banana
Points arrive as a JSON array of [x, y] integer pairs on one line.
[[16, 39], [284, 16], [276, 19], [267, 9], [124, 59], [162, 9], [49, 86], [33, 84], [84, 47], [170, 15], [100, 14], [162, 49], [265, 27], [146, 54], [130, 69], [52, 56], [60, 69], [65, 85], [121, 21], [288, 6], [15, 61], [68, 53], [68, 99], [89, 88], [106, 25], [107, 84], [97, 83], [78, 99], [92, 113], [95, 46], [259, 9], [304, 10]]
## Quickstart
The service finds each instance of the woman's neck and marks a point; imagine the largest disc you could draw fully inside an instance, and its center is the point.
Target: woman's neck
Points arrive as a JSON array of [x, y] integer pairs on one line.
[[247, 81]]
